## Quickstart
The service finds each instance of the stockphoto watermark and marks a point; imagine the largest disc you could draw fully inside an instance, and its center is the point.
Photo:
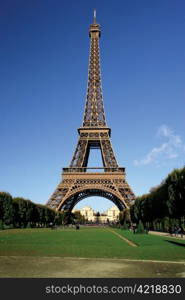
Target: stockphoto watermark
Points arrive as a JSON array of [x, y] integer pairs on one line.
[[50, 288], [133, 289]]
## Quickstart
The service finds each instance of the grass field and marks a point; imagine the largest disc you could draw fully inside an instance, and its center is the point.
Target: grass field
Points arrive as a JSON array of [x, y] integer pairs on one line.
[[61, 252]]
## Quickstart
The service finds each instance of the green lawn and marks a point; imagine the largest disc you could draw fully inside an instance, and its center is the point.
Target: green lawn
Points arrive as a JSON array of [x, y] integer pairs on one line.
[[155, 247], [88, 243]]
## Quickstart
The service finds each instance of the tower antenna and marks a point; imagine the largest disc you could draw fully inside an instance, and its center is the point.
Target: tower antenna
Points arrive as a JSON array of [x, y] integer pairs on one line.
[[94, 16]]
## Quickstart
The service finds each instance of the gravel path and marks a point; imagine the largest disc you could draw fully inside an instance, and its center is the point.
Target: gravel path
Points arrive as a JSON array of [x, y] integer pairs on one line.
[[123, 238]]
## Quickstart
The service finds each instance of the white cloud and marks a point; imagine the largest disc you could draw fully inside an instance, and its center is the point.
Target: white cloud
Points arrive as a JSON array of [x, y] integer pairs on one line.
[[170, 149]]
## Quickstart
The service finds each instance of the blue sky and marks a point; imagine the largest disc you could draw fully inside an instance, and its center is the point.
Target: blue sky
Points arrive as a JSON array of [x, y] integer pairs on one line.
[[43, 78]]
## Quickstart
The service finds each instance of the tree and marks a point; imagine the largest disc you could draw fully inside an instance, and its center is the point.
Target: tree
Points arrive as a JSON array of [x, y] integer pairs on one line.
[[79, 218], [1, 205], [125, 225], [176, 200], [133, 214], [16, 218], [23, 218], [124, 217], [59, 217], [41, 215], [6, 208], [136, 210], [164, 205], [140, 228], [1, 225], [50, 216]]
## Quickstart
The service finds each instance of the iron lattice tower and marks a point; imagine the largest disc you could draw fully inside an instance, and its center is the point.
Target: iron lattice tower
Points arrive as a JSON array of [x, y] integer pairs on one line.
[[79, 181]]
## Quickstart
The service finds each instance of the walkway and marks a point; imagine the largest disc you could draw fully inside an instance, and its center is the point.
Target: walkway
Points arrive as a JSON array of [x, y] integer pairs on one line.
[[58, 267], [165, 234], [123, 238]]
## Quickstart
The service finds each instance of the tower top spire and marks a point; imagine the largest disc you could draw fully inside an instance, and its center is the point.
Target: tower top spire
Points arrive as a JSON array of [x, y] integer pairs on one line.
[[94, 115], [94, 16], [94, 27]]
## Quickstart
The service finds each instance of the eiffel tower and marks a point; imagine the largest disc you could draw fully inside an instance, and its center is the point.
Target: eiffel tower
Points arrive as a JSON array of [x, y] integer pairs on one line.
[[78, 180]]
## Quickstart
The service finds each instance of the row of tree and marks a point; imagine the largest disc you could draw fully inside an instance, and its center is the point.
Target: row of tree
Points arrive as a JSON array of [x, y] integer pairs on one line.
[[160, 209], [21, 213], [164, 206]]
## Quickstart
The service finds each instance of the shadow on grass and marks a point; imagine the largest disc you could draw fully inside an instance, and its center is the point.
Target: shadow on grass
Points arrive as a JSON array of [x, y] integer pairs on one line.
[[176, 243]]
